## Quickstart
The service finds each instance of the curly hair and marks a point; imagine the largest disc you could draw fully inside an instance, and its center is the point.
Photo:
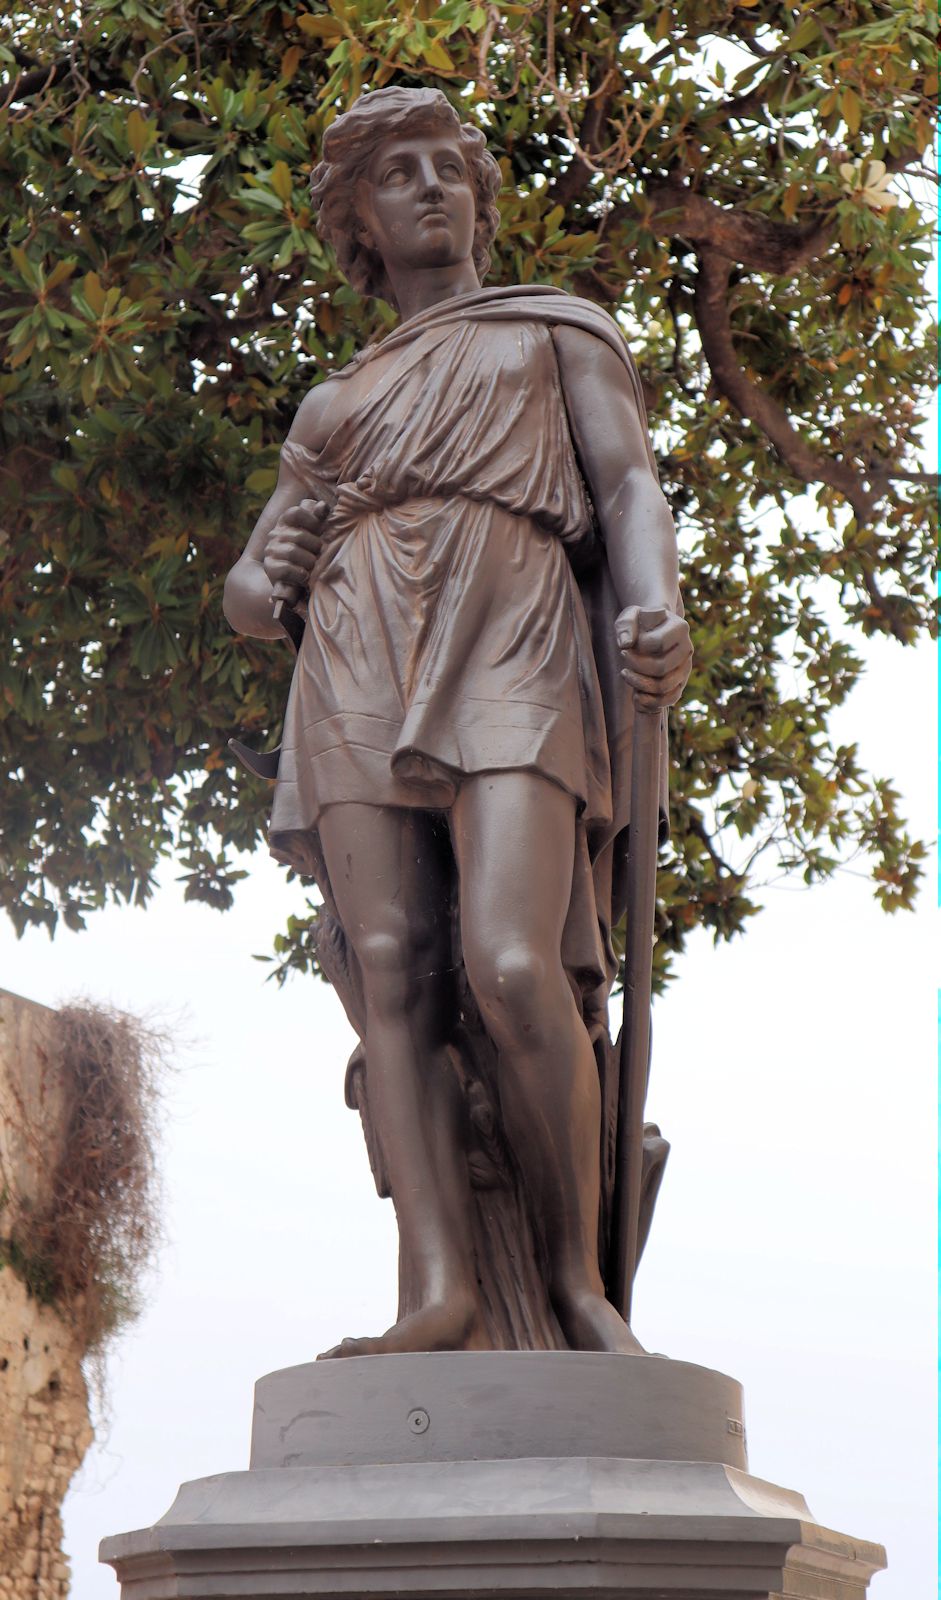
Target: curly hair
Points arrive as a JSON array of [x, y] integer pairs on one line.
[[348, 146]]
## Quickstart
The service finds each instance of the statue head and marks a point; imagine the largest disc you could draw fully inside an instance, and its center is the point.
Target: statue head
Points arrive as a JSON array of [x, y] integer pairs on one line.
[[351, 147]]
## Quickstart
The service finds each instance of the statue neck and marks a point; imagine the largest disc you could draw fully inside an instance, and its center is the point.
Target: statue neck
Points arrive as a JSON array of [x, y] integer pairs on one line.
[[420, 289]]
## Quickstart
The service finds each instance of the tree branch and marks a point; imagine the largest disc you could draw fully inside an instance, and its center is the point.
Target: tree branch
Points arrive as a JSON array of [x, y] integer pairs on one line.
[[27, 85], [741, 105], [579, 171], [755, 405], [910, 156], [696, 826], [752, 403], [895, 474], [34, 81], [921, 171], [747, 237]]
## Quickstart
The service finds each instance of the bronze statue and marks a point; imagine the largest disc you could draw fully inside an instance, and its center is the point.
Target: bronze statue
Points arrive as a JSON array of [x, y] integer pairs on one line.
[[470, 548]]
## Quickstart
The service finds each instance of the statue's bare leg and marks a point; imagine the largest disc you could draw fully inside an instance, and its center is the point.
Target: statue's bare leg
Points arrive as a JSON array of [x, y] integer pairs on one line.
[[514, 838], [391, 874]]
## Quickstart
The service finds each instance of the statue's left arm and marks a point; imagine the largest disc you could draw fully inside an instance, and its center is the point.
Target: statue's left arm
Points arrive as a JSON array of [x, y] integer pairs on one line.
[[633, 516]]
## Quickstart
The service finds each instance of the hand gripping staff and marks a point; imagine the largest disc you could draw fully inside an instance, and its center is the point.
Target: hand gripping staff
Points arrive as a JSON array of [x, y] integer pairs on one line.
[[284, 598]]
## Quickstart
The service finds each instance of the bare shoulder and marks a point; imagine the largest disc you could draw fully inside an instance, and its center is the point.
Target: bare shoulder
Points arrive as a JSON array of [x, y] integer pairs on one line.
[[584, 357], [329, 403], [317, 415], [603, 404]]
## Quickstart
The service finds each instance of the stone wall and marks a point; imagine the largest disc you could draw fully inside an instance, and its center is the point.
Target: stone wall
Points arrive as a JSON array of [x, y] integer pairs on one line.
[[44, 1423]]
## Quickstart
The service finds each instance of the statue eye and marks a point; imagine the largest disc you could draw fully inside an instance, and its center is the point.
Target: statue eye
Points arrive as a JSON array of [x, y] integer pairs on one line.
[[450, 169], [394, 174]]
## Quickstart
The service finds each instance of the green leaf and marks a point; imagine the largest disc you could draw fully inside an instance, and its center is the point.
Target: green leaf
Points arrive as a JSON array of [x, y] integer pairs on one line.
[[261, 198], [140, 132], [320, 27], [60, 272], [437, 56], [26, 269], [281, 181], [851, 109], [807, 30]]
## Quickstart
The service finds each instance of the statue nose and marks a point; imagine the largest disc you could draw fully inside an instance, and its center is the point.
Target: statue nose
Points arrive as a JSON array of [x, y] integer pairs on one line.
[[430, 182]]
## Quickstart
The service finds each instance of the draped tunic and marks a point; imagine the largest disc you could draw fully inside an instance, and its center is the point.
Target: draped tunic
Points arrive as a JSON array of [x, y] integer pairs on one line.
[[461, 614], [445, 634]]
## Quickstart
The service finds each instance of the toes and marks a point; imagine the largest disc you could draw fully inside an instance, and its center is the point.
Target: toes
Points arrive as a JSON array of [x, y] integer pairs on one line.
[[346, 1347], [359, 1347]]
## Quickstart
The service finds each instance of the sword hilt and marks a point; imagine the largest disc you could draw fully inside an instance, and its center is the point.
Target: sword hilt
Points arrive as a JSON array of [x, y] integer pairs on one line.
[[284, 597]]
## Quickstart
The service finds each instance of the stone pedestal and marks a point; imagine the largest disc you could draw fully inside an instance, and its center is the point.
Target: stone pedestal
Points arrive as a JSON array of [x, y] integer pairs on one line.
[[523, 1474]]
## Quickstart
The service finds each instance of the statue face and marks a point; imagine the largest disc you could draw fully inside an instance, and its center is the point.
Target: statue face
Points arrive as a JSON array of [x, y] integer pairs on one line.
[[416, 202]]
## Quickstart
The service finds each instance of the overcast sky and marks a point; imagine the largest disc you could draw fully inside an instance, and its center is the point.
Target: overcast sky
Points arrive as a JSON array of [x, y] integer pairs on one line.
[[793, 1242]]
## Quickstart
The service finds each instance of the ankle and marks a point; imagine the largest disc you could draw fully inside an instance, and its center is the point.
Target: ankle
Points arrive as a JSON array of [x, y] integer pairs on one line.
[[575, 1282]]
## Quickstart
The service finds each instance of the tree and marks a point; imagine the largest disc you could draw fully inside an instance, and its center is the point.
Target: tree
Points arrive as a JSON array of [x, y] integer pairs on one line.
[[740, 183]]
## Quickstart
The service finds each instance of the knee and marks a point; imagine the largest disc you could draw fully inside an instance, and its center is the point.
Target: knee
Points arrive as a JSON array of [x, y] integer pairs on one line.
[[395, 960], [514, 989]]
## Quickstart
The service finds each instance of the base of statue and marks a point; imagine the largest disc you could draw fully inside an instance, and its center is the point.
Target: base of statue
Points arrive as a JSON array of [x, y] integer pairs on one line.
[[523, 1474]]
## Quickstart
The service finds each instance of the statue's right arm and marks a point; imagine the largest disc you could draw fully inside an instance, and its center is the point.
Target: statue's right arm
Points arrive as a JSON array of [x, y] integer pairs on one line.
[[284, 542]]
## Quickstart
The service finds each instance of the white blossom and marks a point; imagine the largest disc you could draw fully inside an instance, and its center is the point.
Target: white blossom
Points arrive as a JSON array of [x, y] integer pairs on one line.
[[869, 181]]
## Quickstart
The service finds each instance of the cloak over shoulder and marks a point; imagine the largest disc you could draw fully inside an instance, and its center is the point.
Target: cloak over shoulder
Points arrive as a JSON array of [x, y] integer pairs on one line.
[[404, 443]]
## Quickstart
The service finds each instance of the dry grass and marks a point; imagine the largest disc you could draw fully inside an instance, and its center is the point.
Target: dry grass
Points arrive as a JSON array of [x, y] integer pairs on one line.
[[88, 1249]]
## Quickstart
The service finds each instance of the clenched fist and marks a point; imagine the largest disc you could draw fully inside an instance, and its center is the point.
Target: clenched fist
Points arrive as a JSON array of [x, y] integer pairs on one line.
[[657, 654], [293, 546]]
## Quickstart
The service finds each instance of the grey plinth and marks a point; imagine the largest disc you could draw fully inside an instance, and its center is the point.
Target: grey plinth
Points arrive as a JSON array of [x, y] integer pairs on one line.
[[521, 1474]]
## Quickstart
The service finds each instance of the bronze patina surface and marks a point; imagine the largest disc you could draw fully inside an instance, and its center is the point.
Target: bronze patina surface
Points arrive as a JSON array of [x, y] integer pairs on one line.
[[470, 547]]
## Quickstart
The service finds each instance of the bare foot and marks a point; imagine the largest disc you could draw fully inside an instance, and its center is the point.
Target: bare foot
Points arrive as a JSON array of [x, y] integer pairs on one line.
[[452, 1325], [590, 1322]]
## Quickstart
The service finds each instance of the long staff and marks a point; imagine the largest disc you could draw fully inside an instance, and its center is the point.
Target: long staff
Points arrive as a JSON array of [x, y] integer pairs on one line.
[[635, 1030]]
